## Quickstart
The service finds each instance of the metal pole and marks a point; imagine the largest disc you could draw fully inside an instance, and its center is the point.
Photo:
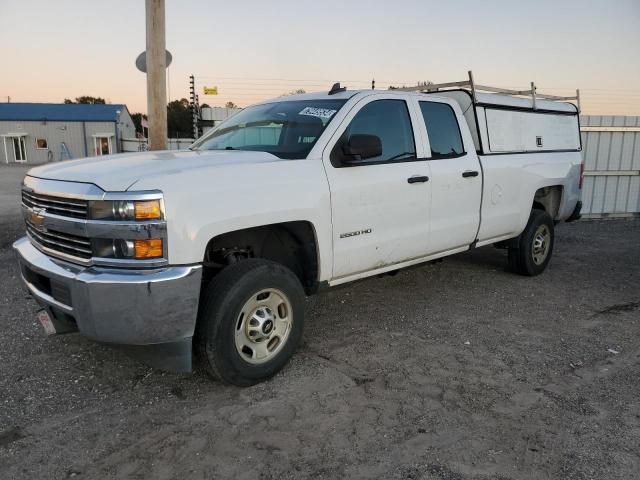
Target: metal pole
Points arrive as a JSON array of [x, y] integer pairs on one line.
[[197, 104], [168, 86], [473, 87], [156, 75], [194, 110], [533, 95], [116, 132]]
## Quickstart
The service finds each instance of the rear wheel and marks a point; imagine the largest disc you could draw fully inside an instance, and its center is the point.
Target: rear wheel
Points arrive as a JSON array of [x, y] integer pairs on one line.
[[534, 247], [250, 321]]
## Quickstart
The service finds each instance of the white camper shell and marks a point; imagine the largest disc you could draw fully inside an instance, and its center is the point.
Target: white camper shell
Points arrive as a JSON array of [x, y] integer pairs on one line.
[[514, 121]]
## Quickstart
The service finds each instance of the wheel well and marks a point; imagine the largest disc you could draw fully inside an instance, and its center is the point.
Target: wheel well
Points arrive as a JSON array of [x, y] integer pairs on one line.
[[292, 244], [548, 199]]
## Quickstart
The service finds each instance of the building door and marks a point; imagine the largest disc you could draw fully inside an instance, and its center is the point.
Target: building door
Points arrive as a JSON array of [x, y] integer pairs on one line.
[[15, 148], [19, 150], [102, 145]]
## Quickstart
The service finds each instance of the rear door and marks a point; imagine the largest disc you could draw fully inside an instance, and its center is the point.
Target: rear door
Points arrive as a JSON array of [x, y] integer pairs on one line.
[[379, 206], [456, 176]]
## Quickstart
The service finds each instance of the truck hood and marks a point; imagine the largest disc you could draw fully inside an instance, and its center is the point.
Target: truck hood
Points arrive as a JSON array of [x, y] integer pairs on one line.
[[114, 173]]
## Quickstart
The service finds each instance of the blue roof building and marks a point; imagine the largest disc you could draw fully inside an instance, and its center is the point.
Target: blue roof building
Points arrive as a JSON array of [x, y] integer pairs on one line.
[[45, 132]]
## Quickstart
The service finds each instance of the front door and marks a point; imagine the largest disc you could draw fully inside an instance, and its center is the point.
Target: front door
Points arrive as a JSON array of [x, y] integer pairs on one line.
[[379, 205]]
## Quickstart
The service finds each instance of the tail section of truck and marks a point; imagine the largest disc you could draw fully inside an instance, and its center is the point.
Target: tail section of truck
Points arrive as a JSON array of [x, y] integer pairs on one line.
[[529, 147]]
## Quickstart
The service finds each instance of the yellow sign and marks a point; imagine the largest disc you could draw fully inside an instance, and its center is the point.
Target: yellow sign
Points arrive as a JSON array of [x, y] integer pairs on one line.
[[210, 90]]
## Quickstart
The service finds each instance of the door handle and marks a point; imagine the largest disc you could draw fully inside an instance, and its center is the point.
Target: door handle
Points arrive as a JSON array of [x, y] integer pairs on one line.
[[418, 179], [470, 173]]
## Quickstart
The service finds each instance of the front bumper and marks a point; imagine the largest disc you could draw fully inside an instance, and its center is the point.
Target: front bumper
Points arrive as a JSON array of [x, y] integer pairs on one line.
[[153, 309]]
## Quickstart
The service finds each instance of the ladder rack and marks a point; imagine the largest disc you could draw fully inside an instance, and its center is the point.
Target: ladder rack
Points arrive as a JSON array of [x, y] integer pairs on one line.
[[474, 87]]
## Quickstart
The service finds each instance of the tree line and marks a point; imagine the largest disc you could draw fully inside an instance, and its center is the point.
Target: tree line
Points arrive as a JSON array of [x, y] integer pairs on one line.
[[179, 121]]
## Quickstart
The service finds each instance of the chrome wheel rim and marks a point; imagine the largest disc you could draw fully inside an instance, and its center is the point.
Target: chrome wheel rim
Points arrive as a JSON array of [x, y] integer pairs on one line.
[[541, 244], [263, 326]]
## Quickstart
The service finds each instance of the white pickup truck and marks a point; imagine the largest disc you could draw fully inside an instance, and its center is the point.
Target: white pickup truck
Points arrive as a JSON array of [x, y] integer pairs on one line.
[[215, 247]]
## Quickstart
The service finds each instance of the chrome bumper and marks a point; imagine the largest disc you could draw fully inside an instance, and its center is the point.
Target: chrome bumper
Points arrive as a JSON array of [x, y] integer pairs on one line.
[[120, 306]]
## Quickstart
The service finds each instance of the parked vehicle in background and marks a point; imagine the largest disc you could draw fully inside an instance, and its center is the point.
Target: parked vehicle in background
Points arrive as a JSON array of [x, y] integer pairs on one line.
[[216, 247]]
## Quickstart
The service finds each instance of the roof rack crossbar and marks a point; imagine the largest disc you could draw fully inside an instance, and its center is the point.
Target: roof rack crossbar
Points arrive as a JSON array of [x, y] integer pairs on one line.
[[532, 92]]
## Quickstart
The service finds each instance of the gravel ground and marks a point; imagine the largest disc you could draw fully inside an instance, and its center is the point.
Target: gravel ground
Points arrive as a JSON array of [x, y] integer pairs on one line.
[[453, 371]]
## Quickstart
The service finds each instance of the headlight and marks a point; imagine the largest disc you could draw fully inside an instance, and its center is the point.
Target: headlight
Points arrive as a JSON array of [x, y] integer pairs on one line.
[[123, 248], [128, 249], [151, 248], [129, 230], [147, 210], [125, 210]]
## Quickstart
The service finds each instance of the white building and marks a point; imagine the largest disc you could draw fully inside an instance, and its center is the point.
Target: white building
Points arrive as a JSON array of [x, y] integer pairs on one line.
[[45, 132], [212, 116]]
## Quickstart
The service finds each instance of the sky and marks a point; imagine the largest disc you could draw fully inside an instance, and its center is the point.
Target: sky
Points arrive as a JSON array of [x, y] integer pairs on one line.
[[255, 50]]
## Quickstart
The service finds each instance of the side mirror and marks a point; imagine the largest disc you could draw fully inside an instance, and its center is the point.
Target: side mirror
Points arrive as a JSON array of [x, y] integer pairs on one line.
[[360, 147]]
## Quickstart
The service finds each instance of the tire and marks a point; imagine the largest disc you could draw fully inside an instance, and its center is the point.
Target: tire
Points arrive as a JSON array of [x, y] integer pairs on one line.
[[250, 321], [534, 245]]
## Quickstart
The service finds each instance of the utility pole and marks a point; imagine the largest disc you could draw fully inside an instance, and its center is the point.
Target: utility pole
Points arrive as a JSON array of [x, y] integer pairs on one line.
[[194, 105], [156, 75]]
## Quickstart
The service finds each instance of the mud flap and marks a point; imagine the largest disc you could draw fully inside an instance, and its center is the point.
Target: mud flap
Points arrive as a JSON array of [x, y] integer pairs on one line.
[[576, 215], [170, 357]]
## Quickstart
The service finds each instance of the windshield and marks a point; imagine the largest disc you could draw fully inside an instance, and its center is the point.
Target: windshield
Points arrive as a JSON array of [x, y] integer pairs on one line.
[[286, 129]]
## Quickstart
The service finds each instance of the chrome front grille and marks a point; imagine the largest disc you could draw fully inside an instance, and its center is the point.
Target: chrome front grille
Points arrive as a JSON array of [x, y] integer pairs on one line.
[[61, 223], [73, 245], [65, 207]]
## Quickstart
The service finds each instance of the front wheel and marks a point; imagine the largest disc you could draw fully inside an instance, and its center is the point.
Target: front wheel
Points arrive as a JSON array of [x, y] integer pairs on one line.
[[533, 251], [250, 321]]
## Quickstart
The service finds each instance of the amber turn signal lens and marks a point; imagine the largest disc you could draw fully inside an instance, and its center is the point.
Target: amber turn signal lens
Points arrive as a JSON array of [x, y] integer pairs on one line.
[[147, 210], [151, 248]]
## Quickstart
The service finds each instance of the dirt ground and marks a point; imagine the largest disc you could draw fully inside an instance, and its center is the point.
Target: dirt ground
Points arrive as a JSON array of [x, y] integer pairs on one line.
[[453, 371]]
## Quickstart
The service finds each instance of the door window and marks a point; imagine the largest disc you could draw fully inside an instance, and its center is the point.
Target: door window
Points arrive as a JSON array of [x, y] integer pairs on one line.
[[443, 130], [389, 120]]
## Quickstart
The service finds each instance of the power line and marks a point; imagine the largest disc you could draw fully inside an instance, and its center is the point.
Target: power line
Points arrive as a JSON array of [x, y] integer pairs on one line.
[[405, 81]]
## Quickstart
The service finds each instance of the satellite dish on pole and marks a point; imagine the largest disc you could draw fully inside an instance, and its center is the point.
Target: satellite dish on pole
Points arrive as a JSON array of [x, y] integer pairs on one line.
[[141, 61]]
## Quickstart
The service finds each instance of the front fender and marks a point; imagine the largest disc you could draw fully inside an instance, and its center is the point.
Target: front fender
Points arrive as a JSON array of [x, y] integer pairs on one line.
[[202, 206]]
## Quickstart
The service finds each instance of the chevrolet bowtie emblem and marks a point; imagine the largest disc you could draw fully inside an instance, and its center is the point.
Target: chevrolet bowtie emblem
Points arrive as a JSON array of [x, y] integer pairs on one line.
[[36, 218]]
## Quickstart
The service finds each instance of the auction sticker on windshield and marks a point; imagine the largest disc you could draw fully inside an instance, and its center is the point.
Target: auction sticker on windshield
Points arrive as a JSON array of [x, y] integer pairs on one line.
[[318, 112]]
